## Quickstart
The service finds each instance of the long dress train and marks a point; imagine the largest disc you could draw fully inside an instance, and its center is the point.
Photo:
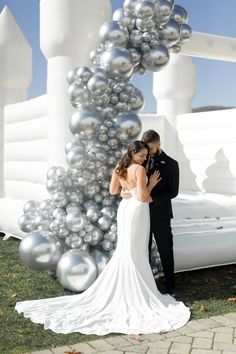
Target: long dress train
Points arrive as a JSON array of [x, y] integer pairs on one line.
[[124, 298]]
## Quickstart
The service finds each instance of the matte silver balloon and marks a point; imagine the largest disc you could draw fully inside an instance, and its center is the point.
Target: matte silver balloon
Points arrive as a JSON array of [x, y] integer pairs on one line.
[[170, 34], [75, 221], [30, 206], [98, 85], [180, 15], [100, 258], [26, 222], [156, 59], [112, 33], [76, 270], [185, 32], [83, 74], [117, 62], [87, 122], [72, 76], [40, 252], [76, 157], [128, 127], [73, 240], [93, 214]]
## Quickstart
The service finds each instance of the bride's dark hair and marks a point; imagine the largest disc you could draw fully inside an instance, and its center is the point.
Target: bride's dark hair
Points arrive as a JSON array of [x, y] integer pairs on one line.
[[124, 163]]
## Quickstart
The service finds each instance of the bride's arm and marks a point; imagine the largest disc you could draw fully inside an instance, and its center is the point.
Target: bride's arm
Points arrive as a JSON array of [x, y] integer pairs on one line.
[[115, 186]]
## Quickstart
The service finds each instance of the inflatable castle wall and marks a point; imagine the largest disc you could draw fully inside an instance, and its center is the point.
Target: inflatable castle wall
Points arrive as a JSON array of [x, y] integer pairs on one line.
[[33, 132]]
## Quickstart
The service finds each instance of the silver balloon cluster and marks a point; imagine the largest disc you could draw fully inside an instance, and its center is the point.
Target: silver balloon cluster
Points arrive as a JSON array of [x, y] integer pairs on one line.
[[140, 36], [74, 232]]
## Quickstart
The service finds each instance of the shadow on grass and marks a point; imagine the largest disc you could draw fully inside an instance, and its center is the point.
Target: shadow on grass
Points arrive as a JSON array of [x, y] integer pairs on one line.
[[18, 335]]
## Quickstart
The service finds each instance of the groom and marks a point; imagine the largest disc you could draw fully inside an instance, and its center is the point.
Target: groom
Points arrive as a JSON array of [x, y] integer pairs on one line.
[[161, 208]]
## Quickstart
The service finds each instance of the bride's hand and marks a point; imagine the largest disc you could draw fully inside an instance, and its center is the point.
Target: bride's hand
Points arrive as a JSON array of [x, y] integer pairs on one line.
[[154, 178]]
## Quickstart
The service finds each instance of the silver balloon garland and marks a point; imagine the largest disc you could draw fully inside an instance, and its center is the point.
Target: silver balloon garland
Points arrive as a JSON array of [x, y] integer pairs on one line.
[[74, 231]]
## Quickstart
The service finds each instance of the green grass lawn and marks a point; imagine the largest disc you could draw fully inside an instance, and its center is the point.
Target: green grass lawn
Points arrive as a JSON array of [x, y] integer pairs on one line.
[[18, 335]]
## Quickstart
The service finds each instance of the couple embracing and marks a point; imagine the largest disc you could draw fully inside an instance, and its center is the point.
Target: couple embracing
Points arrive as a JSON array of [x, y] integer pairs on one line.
[[124, 298]]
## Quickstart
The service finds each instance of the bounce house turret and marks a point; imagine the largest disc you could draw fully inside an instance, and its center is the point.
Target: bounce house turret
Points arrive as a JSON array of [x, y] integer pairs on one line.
[[66, 39], [15, 60], [174, 89], [15, 71]]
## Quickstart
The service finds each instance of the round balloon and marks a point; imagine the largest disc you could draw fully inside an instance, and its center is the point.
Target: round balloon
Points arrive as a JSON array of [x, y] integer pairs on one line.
[[76, 270], [40, 252]]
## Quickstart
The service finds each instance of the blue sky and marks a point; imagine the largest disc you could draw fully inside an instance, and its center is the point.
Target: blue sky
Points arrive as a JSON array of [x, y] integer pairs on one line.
[[215, 79]]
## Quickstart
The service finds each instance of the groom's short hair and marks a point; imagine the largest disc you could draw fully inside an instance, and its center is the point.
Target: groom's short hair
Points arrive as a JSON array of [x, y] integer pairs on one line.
[[150, 136]]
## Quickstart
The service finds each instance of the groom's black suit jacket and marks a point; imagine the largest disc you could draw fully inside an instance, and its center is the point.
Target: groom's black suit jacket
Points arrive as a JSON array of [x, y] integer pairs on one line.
[[166, 189]]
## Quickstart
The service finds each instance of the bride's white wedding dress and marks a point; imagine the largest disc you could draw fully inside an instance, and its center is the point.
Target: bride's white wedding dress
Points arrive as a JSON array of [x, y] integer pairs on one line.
[[124, 298]]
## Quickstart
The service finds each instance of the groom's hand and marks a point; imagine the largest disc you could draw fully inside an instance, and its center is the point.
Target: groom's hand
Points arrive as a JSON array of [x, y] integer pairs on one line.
[[125, 194]]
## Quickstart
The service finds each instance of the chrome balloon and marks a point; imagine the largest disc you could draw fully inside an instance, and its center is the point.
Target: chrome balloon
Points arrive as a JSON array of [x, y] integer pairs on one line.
[[98, 85], [100, 258], [185, 32], [83, 74], [124, 20], [117, 62], [94, 237], [76, 270], [180, 15], [73, 240], [40, 252], [156, 59], [112, 33], [87, 122], [75, 221], [72, 76], [170, 34], [128, 127], [76, 157], [77, 93], [109, 211], [26, 222], [30, 206]]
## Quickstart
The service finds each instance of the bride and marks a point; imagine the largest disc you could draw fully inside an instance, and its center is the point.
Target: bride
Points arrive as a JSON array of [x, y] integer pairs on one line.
[[124, 298]]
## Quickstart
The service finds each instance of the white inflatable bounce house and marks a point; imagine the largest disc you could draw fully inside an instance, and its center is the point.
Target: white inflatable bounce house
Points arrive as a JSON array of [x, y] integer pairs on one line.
[[33, 133]]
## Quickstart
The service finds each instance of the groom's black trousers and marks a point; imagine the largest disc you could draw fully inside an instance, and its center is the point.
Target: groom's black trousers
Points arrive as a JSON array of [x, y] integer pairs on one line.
[[161, 229]]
